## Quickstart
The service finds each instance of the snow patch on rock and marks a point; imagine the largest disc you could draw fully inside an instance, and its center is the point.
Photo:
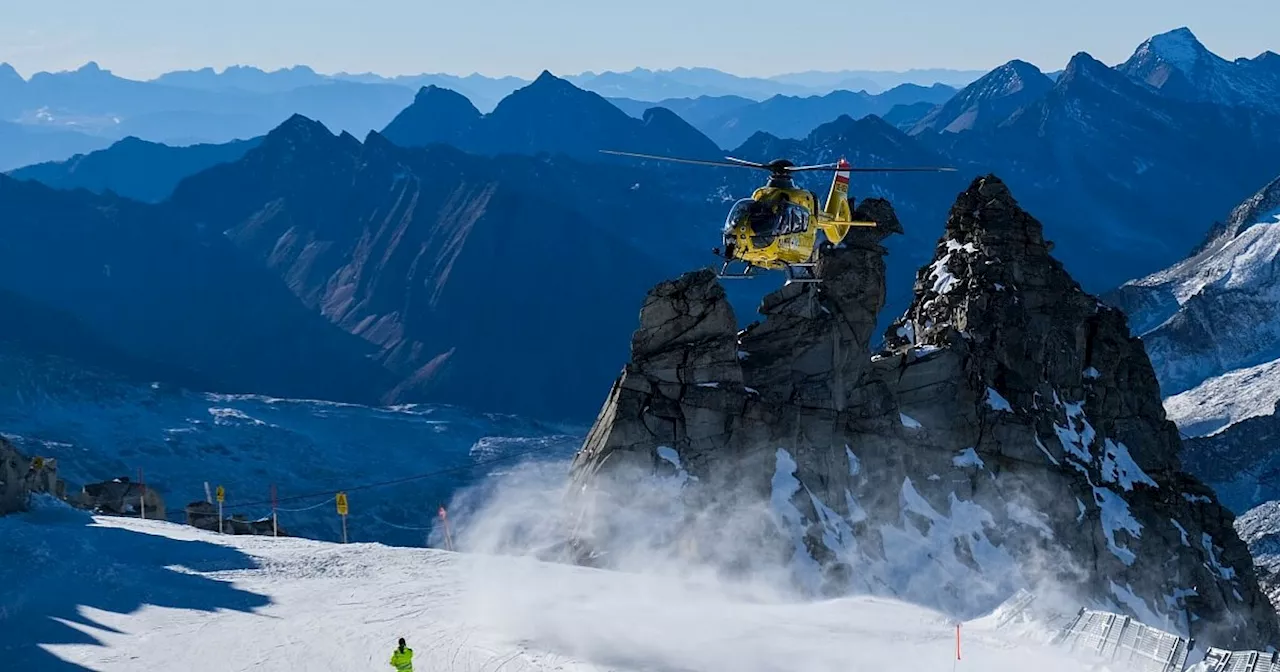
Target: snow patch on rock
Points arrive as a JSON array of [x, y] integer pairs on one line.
[[997, 402], [1119, 467], [968, 458]]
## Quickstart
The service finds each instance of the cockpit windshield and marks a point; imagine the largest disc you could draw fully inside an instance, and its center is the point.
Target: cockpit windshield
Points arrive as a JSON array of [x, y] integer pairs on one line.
[[768, 218], [747, 212]]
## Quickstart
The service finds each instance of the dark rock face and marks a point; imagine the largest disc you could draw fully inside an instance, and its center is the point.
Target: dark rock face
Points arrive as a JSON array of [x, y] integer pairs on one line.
[[22, 476], [204, 515], [120, 496], [148, 294], [1012, 436], [444, 262]]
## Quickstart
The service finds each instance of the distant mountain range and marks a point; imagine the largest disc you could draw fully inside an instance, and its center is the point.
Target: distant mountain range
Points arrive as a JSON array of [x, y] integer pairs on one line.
[[422, 258], [549, 115], [638, 83], [141, 170], [21, 145], [412, 274], [1101, 153], [91, 106], [730, 120]]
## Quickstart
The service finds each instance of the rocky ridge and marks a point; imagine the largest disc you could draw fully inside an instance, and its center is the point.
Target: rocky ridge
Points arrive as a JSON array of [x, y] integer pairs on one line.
[[22, 476], [1012, 436], [1211, 325], [1214, 311]]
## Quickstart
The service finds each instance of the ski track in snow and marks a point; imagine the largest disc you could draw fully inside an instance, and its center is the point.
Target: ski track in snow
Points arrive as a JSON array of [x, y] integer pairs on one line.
[[126, 594]]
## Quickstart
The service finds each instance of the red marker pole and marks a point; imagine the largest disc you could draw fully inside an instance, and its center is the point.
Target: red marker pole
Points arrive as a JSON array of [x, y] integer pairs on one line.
[[957, 641], [275, 528], [448, 538]]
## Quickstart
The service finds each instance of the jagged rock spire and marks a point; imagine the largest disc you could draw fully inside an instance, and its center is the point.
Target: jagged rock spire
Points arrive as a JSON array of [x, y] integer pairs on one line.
[[1015, 419]]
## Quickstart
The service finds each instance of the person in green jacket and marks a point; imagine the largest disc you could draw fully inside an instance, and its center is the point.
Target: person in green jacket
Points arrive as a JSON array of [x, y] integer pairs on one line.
[[402, 658]]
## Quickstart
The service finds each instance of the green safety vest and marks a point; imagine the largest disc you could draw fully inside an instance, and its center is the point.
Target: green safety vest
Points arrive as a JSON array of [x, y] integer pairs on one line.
[[402, 660]]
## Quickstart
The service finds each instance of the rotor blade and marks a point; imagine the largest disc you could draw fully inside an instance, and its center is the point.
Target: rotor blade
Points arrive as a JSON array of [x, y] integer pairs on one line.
[[834, 167], [903, 170], [744, 162], [697, 162]]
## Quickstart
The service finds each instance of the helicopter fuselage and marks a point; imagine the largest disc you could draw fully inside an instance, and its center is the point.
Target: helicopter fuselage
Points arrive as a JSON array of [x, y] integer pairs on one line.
[[780, 226]]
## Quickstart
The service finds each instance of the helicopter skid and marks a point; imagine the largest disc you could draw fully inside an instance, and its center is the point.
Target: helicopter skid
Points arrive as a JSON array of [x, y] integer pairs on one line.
[[726, 274]]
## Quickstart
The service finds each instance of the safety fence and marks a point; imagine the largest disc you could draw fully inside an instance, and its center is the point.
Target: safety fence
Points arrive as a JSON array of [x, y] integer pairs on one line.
[[212, 513], [1132, 645], [1121, 639]]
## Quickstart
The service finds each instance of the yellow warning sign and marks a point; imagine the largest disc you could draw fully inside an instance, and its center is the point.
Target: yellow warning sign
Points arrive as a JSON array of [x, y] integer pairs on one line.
[[222, 494], [342, 503], [37, 463]]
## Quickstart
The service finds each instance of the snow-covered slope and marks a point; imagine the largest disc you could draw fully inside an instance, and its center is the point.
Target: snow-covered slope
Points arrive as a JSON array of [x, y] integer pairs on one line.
[[122, 594], [1211, 325], [1260, 528], [1225, 400], [1219, 309], [100, 427]]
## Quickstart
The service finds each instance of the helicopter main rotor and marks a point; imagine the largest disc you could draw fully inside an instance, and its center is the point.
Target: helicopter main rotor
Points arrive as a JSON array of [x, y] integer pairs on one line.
[[779, 167]]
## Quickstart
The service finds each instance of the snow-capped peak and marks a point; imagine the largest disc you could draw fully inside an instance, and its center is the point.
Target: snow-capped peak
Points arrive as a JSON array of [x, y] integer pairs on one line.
[[1179, 48]]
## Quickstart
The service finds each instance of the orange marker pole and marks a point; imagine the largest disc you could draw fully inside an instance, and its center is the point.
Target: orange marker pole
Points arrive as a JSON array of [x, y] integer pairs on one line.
[[448, 537], [957, 641]]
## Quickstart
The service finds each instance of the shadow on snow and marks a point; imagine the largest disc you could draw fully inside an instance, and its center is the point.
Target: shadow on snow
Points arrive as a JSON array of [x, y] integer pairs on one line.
[[55, 563]]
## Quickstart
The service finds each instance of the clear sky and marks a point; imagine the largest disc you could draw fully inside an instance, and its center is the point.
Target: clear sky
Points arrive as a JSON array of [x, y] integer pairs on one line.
[[143, 38]]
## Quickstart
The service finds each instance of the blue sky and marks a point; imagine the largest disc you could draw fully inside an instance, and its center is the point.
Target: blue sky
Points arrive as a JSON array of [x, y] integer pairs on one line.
[[142, 38]]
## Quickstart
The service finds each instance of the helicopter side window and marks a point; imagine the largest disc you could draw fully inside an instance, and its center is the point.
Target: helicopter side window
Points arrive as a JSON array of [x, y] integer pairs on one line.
[[794, 219]]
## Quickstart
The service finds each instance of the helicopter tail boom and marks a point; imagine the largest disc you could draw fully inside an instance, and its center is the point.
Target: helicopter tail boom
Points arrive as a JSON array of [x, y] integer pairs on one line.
[[837, 206]]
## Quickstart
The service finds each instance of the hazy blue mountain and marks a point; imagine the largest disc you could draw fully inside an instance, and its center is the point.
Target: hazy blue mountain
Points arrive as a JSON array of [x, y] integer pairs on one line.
[[905, 117], [95, 101], [697, 111], [134, 168], [437, 115], [875, 81], [186, 127], [458, 269], [1126, 176], [1177, 65], [21, 145], [793, 117], [657, 85], [245, 78], [644, 84], [989, 100], [483, 92], [550, 115]]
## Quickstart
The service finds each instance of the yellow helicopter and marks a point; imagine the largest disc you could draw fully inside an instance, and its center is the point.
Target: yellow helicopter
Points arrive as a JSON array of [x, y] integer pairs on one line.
[[777, 228]]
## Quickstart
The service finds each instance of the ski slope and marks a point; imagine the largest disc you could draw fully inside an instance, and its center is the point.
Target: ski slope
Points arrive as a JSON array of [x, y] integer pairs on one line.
[[94, 593]]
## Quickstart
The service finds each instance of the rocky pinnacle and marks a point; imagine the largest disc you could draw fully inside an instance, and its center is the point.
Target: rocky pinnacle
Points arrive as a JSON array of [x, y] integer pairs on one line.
[[1010, 436]]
